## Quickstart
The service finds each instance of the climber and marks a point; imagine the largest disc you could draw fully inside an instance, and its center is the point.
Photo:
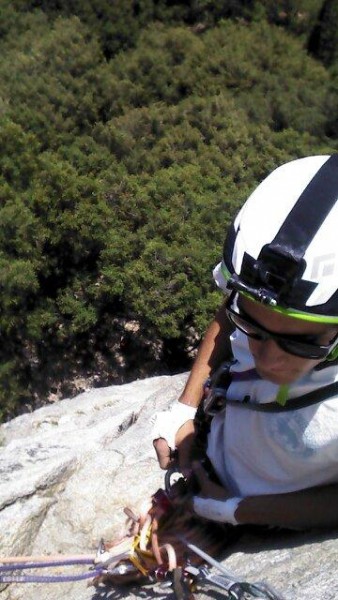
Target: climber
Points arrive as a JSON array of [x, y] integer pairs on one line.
[[278, 326]]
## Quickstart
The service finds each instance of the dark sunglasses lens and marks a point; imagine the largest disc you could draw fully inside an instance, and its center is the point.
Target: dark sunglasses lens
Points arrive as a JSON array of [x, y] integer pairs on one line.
[[246, 327], [295, 347], [302, 350]]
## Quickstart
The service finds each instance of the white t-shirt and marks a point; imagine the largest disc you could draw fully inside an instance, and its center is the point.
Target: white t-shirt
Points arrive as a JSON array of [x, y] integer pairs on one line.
[[257, 453]]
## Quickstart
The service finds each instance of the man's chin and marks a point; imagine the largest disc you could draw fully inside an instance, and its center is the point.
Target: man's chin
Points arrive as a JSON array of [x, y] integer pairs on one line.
[[277, 377]]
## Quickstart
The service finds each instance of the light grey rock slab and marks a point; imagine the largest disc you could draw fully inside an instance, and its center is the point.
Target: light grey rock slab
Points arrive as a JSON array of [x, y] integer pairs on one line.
[[68, 470]]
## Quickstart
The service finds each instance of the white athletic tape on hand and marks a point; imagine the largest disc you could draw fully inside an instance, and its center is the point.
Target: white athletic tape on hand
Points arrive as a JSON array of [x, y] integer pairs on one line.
[[217, 510], [166, 424]]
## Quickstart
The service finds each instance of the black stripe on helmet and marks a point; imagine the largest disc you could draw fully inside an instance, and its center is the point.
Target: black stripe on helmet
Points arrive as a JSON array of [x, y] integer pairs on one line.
[[280, 264], [309, 212]]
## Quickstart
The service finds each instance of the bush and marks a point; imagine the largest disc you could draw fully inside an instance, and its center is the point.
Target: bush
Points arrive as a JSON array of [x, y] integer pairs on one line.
[[119, 177]]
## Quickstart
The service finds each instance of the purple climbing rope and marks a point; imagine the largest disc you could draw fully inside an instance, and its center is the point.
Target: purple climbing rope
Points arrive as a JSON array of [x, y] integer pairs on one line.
[[7, 575]]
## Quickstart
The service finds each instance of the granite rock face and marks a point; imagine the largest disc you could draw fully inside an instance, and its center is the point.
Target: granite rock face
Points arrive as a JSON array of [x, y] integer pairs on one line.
[[69, 469]]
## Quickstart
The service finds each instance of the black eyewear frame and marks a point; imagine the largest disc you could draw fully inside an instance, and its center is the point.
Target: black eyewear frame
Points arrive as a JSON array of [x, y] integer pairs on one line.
[[303, 345]]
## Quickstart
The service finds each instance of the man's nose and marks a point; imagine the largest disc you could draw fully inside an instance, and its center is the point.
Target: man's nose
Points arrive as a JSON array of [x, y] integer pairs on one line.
[[268, 352]]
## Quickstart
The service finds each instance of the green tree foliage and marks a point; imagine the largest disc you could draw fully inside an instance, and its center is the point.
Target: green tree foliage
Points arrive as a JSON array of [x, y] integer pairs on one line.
[[53, 80], [296, 16], [275, 82], [323, 42], [190, 168], [53, 226], [332, 121], [119, 176], [118, 24]]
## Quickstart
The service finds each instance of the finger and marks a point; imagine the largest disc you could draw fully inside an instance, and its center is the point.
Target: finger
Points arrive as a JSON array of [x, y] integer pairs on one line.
[[201, 475], [208, 488], [163, 452]]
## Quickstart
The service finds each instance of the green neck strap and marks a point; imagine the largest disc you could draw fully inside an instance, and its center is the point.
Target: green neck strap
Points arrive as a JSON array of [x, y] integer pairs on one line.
[[282, 394]]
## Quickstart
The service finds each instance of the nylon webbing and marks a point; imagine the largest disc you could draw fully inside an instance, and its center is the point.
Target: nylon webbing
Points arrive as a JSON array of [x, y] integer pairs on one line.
[[308, 399]]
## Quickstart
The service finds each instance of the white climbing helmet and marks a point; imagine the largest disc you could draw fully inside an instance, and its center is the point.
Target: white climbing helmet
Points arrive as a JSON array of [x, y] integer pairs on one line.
[[282, 248]]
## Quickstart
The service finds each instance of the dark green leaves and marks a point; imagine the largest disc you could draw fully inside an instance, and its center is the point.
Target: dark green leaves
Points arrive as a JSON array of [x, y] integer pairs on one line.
[[130, 134]]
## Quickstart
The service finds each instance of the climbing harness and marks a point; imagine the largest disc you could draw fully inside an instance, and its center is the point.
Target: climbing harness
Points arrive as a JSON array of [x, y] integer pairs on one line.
[[216, 388], [168, 545]]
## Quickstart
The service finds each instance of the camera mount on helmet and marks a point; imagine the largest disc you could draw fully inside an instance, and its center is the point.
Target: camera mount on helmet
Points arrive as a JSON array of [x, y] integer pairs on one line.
[[261, 295], [270, 278]]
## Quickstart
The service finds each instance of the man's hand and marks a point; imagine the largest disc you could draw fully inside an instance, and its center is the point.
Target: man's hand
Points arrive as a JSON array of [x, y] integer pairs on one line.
[[209, 489], [183, 442], [214, 502]]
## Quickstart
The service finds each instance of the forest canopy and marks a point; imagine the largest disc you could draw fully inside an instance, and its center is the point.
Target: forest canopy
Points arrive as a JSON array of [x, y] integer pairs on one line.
[[131, 132]]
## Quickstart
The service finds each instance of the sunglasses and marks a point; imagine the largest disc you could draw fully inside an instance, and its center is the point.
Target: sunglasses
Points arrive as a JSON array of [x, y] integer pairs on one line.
[[305, 346]]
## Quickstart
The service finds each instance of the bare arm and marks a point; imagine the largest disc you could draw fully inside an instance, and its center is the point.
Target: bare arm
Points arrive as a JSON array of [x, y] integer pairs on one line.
[[312, 508], [214, 349]]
